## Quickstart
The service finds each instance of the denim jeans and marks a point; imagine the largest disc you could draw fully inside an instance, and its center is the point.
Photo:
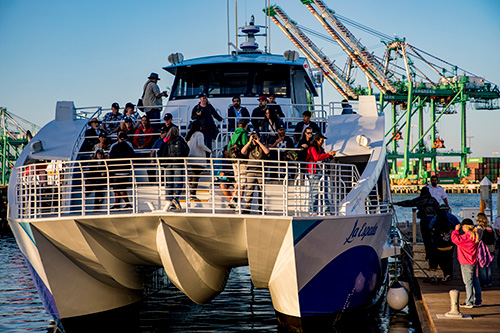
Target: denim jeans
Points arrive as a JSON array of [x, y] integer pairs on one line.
[[485, 276], [313, 191], [472, 287], [174, 181]]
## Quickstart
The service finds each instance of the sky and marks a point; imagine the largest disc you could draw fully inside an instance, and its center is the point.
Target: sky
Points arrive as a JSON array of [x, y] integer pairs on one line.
[[97, 52]]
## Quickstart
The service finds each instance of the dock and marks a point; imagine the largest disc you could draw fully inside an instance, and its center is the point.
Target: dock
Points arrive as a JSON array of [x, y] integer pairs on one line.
[[432, 300], [448, 188]]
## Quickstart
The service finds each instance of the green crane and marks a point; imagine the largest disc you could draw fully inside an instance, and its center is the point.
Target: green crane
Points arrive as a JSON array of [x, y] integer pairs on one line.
[[12, 141]]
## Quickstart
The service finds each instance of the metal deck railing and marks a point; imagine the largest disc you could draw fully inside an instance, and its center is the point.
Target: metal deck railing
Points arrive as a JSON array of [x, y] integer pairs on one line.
[[93, 187]]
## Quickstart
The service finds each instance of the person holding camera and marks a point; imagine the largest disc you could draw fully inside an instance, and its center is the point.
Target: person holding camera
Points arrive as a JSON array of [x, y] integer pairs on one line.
[[257, 152]]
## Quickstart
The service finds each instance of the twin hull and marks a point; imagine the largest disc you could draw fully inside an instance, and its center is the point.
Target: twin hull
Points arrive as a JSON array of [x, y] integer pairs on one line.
[[311, 266]]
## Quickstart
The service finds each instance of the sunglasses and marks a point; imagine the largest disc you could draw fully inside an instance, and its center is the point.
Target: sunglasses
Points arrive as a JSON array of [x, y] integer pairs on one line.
[[309, 133]]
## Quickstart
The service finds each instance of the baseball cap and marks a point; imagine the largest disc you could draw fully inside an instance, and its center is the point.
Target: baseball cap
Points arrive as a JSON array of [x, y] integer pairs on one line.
[[115, 105], [262, 98], [167, 116]]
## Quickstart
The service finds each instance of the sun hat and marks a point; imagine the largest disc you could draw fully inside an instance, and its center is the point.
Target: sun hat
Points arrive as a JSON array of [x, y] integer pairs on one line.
[[154, 76]]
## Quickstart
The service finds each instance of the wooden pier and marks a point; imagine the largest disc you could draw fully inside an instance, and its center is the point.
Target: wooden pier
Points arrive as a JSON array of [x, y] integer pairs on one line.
[[449, 188], [432, 300]]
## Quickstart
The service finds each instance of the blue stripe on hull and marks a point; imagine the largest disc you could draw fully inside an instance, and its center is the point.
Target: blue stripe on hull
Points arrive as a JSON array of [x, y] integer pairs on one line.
[[351, 279], [43, 291]]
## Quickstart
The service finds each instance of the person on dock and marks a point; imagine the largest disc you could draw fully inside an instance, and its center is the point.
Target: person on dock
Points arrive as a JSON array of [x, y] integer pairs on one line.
[[143, 138], [97, 178], [467, 244], [488, 236], [103, 144], [91, 135], [168, 121], [130, 113], [437, 191], [427, 208], [205, 113], [273, 105], [441, 227]]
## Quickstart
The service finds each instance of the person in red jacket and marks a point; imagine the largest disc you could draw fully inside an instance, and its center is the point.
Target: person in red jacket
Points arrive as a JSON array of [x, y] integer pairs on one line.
[[467, 257], [316, 153], [144, 138]]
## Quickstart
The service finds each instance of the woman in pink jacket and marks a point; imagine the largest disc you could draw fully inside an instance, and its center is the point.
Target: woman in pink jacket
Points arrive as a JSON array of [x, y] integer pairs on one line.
[[467, 257]]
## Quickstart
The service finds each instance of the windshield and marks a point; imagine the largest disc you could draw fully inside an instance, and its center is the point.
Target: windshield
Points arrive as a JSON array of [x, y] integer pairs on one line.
[[226, 80]]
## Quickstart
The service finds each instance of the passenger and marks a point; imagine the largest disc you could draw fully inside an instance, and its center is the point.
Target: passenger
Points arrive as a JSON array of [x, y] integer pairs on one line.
[[235, 112], [437, 191], [271, 124], [152, 173], [225, 176], [121, 174], [197, 148], [167, 119], [279, 145], [305, 123], [257, 152], [273, 105], [467, 244], [205, 113], [97, 177], [487, 235], [151, 96], [238, 140], [111, 121], [127, 126], [91, 135], [102, 144], [130, 113], [441, 227], [427, 208], [174, 146], [315, 154], [259, 113], [346, 107], [143, 138]]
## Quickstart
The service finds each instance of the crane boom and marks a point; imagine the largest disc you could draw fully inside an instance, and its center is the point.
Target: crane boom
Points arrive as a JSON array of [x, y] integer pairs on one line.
[[354, 49], [333, 74]]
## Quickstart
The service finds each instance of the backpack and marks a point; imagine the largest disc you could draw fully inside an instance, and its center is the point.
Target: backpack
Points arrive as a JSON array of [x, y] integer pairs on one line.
[[484, 257], [234, 150]]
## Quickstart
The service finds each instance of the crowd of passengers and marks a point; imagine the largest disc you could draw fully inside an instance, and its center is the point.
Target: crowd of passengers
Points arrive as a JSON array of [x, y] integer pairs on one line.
[[136, 136]]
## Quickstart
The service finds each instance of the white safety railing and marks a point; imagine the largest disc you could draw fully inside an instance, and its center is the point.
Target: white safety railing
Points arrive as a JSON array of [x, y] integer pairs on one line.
[[148, 185]]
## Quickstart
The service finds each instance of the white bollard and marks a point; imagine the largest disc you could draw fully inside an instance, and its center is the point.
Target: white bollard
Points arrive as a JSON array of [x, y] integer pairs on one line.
[[454, 311]]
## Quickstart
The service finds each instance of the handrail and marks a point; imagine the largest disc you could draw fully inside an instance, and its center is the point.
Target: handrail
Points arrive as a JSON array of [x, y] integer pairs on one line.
[[92, 187]]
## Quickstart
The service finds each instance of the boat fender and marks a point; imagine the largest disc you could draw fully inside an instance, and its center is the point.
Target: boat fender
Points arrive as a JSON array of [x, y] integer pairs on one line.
[[397, 296]]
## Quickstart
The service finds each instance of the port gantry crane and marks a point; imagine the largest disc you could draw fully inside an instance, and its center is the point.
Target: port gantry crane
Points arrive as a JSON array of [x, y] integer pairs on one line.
[[13, 139], [400, 90]]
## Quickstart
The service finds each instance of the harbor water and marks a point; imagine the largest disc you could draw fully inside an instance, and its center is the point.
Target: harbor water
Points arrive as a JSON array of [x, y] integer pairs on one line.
[[239, 308]]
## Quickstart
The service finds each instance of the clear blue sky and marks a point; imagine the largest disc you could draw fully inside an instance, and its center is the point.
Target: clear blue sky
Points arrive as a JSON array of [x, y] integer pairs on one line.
[[98, 52]]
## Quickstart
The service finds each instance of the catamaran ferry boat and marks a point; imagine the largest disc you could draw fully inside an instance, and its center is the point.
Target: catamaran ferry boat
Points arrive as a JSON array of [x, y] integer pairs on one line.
[[318, 249]]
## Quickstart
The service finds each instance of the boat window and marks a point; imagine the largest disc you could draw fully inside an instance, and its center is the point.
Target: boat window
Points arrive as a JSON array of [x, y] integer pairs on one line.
[[226, 80], [189, 83], [272, 80], [229, 83]]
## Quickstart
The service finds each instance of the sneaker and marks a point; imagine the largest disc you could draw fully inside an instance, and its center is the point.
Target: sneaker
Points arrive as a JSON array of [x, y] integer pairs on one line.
[[447, 278], [467, 306], [478, 305], [128, 206], [176, 203], [116, 207]]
